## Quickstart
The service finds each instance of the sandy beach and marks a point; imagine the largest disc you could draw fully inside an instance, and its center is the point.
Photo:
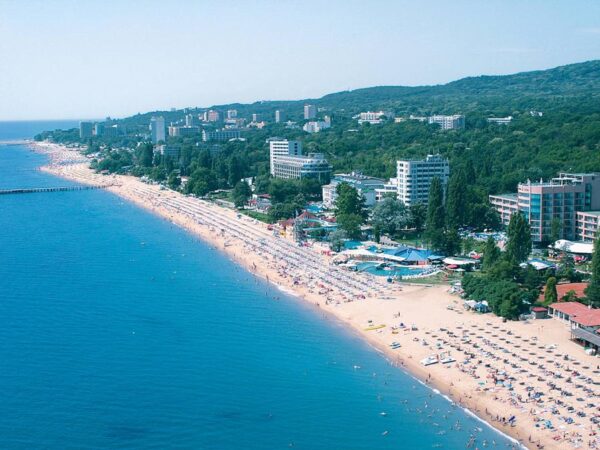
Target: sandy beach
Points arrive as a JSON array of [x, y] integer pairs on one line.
[[526, 379]]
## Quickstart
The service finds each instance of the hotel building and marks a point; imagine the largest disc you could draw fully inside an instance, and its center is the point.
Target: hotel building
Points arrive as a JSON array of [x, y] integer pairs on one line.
[[296, 167], [282, 147], [86, 130], [157, 129], [453, 122], [279, 116], [366, 186], [414, 178], [221, 135], [310, 112], [573, 199]]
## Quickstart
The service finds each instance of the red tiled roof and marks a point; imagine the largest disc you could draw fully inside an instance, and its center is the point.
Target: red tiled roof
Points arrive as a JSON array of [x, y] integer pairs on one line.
[[579, 313], [562, 289], [539, 309]]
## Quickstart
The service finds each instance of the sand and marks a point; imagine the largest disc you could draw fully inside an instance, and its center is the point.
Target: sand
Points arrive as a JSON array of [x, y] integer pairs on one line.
[[489, 354]]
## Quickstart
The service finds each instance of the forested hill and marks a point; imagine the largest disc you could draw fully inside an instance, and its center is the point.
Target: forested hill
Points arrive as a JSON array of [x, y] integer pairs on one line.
[[566, 137], [503, 92], [552, 88]]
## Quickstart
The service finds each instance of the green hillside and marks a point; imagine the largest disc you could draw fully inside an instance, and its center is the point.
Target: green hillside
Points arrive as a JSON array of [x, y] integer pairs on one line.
[[565, 137]]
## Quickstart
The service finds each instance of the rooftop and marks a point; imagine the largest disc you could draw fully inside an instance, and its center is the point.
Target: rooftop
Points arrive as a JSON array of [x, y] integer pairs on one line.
[[579, 313]]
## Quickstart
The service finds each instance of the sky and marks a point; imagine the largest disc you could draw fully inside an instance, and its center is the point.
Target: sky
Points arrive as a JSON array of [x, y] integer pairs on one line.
[[76, 59]]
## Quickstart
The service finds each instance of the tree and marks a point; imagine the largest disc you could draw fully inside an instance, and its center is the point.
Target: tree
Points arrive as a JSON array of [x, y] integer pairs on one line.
[[418, 216], [518, 245], [235, 171], [555, 229], [350, 210], [351, 223], [336, 240], [456, 200], [349, 201], [436, 219], [146, 154], [592, 292], [389, 216], [491, 254], [550, 294], [241, 193], [452, 242], [174, 180]]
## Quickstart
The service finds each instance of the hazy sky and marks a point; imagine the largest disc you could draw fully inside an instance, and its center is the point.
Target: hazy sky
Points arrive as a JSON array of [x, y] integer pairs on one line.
[[90, 59]]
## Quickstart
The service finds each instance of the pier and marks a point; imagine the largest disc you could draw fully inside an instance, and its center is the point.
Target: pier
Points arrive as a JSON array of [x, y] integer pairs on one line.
[[52, 189]]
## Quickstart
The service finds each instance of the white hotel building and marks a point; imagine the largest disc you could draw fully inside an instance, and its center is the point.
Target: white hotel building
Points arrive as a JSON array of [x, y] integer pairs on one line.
[[286, 161], [282, 147], [296, 167], [414, 178]]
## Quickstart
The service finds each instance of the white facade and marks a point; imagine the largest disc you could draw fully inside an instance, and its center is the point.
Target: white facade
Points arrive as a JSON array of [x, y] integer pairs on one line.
[[316, 126], [373, 118], [282, 147], [365, 185], [310, 112], [414, 178], [453, 122], [157, 129], [295, 167], [500, 120], [279, 116]]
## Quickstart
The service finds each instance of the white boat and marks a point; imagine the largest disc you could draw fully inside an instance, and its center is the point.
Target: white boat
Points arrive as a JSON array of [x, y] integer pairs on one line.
[[447, 360]]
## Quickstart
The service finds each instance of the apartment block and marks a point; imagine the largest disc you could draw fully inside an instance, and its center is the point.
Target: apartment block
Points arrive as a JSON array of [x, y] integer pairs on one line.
[[414, 178]]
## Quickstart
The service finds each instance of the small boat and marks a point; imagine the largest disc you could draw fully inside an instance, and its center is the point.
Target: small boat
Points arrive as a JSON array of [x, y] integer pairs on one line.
[[383, 413], [447, 360]]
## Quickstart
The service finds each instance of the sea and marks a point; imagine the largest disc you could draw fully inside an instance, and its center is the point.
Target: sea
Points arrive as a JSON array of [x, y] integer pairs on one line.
[[119, 330]]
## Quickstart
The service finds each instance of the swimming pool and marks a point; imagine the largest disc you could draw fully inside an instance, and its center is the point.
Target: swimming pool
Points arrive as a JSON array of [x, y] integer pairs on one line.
[[391, 270]]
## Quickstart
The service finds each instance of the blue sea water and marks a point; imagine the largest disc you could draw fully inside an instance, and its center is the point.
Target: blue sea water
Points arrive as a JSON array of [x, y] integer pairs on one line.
[[118, 330]]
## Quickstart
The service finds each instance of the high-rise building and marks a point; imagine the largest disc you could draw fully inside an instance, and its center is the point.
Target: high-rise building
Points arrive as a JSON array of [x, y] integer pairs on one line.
[[414, 178], [157, 129], [280, 116], [98, 129], [213, 116], [296, 167], [189, 120], [453, 122], [282, 147], [571, 199], [232, 113], [256, 117], [310, 112], [86, 130]]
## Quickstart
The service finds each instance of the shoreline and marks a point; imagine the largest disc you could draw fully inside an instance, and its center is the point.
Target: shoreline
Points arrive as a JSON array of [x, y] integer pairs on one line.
[[383, 303]]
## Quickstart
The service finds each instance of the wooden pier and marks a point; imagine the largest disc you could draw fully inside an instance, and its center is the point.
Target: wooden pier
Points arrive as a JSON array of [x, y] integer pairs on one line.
[[52, 189]]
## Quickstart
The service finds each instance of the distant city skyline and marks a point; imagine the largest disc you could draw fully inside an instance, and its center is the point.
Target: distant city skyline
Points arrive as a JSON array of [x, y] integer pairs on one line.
[[69, 59]]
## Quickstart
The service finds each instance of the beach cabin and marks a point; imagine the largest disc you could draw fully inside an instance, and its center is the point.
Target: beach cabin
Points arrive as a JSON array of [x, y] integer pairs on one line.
[[583, 321], [539, 312]]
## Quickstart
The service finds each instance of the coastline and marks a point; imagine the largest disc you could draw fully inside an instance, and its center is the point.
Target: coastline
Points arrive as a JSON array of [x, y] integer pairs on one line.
[[426, 307]]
